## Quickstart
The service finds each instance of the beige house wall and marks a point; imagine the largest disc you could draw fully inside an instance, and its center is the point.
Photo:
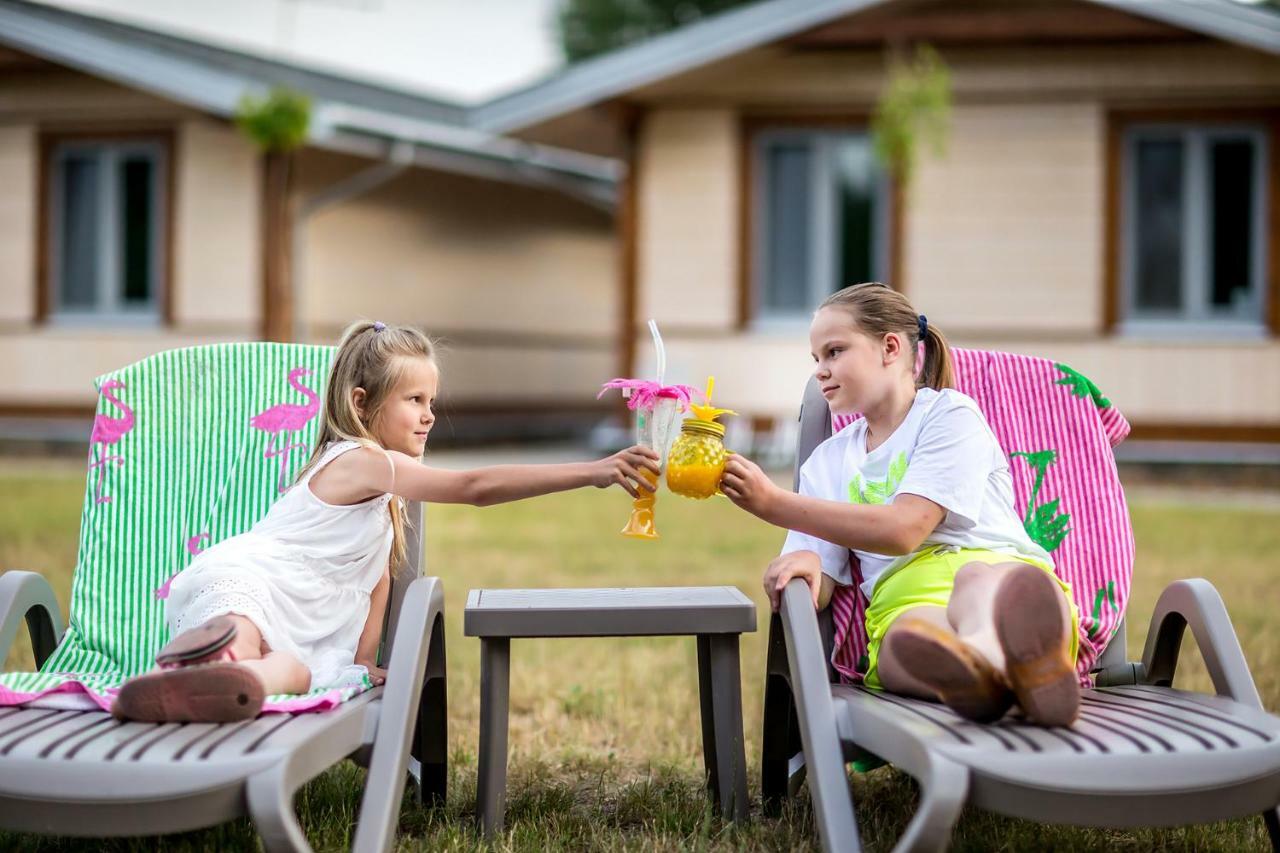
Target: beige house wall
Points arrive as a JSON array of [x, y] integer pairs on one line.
[[214, 208], [687, 240], [519, 284], [1003, 237]]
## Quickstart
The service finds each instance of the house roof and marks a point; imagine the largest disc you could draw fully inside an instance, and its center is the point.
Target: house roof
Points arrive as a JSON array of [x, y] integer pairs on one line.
[[349, 115], [729, 33]]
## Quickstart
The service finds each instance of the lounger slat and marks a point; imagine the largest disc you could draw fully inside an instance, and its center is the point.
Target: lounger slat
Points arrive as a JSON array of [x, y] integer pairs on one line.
[[1155, 721], [30, 741], [114, 738], [166, 730], [129, 736], [97, 733], [1165, 697], [172, 748], [225, 734], [98, 723], [1130, 723], [1110, 733], [943, 726], [1174, 715], [24, 719]]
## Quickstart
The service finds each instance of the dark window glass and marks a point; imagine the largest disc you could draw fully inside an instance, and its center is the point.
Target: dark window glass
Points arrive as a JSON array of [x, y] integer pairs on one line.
[[79, 234], [1158, 250], [136, 175], [1231, 221], [856, 179], [788, 228]]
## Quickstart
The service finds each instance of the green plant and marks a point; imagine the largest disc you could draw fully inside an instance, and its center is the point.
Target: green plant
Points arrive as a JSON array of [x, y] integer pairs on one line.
[[913, 109], [276, 122]]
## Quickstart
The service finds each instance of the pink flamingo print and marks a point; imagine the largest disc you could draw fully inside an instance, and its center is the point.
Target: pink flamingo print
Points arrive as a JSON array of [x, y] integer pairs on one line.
[[106, 431], [287, 418], [194, 547]]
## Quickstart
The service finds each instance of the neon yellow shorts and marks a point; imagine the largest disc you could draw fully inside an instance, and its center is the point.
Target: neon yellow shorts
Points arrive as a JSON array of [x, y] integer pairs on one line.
[[929, 579]]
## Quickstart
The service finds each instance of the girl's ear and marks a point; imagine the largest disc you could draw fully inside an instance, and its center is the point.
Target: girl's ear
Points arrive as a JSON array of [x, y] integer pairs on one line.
[[357, 399], [891, 347]]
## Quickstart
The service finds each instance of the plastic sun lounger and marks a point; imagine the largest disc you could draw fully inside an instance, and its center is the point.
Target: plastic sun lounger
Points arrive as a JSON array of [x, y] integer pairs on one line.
[[78, 771], [1141, 754]]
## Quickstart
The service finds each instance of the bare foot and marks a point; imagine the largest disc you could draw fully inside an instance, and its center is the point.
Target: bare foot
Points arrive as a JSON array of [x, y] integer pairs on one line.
[[1037, 646], [959, 675]]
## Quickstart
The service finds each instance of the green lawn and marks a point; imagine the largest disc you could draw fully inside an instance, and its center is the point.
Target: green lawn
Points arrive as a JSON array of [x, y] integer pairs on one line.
[[605, 743]]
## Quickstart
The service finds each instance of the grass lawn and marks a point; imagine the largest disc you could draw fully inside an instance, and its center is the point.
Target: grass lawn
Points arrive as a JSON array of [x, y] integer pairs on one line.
[[605, 740]]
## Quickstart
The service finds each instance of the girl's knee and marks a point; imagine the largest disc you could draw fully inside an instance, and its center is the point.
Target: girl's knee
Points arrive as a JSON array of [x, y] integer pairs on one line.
[[976, 571], [300, 675]]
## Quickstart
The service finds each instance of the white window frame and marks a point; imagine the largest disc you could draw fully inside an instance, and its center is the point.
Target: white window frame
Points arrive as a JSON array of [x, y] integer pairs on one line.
[[1197, 318], [110, 307], [824, 252]]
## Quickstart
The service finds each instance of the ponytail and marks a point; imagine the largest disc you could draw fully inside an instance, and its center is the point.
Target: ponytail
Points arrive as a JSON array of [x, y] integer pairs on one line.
[[937, 372]]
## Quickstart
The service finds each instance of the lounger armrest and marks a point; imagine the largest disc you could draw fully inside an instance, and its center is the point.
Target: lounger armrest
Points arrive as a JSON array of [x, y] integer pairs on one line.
[[811, 691], [1195, 602], [27, 595], [417, 658]]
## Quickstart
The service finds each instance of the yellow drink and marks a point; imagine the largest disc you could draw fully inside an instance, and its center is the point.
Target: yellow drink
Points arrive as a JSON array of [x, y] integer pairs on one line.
[[696, 462]]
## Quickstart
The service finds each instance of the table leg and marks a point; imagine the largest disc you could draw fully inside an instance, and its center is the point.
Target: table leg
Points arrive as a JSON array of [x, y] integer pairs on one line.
[[491, 784], [707, 704], [720, 688]]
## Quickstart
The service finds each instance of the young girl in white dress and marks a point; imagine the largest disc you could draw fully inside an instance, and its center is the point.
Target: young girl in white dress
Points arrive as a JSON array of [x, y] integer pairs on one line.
[[298, 601]]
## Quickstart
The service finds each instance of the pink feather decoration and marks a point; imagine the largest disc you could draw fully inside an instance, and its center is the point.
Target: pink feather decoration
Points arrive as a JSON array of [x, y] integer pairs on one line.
[[645, 394]]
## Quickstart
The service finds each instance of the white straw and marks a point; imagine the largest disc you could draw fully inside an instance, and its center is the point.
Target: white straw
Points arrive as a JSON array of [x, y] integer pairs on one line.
[[659, 349]]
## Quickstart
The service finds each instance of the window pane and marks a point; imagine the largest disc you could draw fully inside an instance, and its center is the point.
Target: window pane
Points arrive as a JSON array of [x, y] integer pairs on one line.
[[135, 193], [787, 228], [1231, 221], [856, 179], [78, 248], [1158, 252]]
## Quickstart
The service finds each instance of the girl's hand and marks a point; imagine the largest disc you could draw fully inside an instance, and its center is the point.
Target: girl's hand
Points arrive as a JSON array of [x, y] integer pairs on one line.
[[747, 486], [377, 674], [797, 564], [625, 468]]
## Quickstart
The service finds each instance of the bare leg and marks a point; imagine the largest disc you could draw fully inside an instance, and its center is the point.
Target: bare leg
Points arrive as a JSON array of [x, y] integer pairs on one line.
[[1018, 617], [923, 656], [279, 672], [971, 609], [894, 674]]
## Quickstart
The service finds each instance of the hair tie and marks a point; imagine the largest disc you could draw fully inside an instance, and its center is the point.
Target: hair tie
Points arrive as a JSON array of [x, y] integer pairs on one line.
[[378, 325], [923, 326]]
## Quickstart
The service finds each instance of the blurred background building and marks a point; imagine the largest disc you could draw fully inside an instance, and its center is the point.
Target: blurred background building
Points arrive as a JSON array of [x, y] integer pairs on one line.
[[1107, 197]]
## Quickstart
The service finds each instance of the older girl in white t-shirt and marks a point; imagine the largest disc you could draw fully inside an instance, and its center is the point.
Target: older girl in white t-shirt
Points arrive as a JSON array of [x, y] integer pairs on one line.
[[962, 606]]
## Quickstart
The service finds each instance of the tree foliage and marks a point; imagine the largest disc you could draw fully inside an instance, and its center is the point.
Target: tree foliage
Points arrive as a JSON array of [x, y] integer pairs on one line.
[[591, 27], [914, 109], [275, 123]]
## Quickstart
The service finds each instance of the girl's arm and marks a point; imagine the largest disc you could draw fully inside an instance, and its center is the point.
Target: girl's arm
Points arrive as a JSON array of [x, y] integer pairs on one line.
[[892, 529], [366, 472], [371, 635]]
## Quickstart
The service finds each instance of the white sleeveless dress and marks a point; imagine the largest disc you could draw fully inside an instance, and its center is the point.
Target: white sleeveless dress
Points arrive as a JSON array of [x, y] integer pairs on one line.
[[303, 575]]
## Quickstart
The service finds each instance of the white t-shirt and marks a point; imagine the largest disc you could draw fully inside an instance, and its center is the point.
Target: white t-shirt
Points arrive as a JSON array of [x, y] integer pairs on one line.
[[944, 451]]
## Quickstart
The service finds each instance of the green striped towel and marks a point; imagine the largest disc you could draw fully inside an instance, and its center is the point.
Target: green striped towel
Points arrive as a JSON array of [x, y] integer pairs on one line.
[[189, 447]]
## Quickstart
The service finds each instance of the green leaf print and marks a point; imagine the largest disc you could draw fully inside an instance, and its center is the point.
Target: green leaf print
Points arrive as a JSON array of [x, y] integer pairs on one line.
[[1044, 524], [1081, 386], [1105, 595], [879, 491]]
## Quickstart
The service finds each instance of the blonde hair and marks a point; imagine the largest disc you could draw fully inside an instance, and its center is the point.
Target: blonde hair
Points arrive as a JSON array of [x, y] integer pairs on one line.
[[372, 356], [878, 309]]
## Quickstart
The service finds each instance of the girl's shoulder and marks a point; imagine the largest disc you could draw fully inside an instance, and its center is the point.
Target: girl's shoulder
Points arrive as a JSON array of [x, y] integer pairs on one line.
[[947, 404]]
